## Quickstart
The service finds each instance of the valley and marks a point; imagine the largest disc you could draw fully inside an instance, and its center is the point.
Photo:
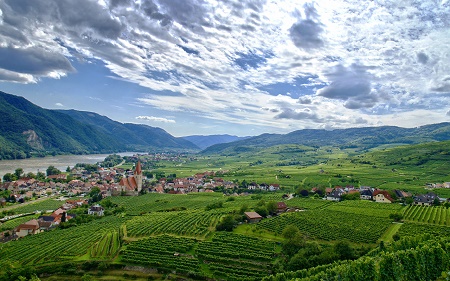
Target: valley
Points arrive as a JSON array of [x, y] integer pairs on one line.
[[159, 236]]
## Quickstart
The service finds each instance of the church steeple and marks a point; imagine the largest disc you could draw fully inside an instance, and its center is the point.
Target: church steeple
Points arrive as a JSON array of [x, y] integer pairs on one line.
[[138, 176], [138, 170]]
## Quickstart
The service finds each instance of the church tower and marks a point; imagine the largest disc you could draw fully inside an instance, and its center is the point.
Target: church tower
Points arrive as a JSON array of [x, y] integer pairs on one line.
[[138, 176]]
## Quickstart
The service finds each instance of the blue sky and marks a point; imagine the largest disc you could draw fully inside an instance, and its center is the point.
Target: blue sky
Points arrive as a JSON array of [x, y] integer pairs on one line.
[[234, 66]]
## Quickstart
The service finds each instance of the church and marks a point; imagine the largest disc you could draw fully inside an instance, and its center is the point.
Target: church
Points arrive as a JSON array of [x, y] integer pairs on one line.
[[131, 185]]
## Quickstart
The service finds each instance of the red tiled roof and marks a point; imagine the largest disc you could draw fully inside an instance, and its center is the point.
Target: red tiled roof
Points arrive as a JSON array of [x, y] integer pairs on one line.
[[138, 168], [385, 194]]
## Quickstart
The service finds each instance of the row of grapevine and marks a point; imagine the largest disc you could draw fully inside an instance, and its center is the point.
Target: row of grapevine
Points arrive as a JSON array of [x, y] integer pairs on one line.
[[425, 262], [185, 223], [330, 225], [413, 229], [236, 257], [44, 205], [59, 243], [435, 215], [108, 246], [308, 203], [153, 202], [365, 207], [162, 252]]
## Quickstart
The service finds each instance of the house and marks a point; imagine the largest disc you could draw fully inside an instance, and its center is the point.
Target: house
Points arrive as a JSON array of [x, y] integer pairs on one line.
[[28, 228], [366, 194], [281, 207], [252, 186], [382, 196], [274, 187], [252, 217], [96, 210], [335, 195], [58, 177], [425, 200], [401, 194], [422, 200]]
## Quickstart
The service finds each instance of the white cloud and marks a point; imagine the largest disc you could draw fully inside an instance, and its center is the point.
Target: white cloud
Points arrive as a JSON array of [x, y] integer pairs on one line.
[[359, 56], [59, 104], [156, 119]]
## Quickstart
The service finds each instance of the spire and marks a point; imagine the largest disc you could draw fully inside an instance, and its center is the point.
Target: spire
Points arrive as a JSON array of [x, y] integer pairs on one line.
[[138, 170]]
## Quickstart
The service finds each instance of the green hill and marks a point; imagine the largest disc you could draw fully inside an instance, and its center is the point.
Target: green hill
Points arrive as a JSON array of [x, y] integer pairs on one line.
[[361, 138], [28, 129], [133, 136]]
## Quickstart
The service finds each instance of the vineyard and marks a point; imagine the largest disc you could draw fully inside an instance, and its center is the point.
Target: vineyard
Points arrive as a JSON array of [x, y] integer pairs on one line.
[[163, 252], [184, 223], [108, 246], [330, 225], [309, 204], [364, 207], [58, 244], [176, 234], [229, 256], [42, 206], [434, 215], [414, 229], [236, 257]]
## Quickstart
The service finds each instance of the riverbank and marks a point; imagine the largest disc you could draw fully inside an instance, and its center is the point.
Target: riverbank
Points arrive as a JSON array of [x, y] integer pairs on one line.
[[61, 162]]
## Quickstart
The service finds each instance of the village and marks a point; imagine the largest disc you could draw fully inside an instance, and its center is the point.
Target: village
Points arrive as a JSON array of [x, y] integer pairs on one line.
[[116, 181]]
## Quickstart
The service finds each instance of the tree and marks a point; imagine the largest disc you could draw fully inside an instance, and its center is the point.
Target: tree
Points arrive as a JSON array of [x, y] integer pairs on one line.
[[344, 250], [8, 177], [40, 176], [351, 196], [436, 202], [31, 175], [272, 207], [290, 231], [51, 170], [292, 246], [396, 216], [68, 169], [262, 211], [226, 224], [304, 193], [409, 200], [18, 172]]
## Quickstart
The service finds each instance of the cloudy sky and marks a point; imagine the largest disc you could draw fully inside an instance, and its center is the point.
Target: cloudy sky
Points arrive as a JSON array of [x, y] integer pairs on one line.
[[233, 66]]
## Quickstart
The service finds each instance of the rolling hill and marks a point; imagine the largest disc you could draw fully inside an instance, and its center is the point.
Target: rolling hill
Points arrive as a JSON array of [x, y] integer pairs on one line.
[[362, 138], [133, 136], [28, 129]]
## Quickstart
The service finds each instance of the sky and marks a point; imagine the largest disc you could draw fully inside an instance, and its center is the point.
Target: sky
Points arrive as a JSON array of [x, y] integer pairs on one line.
[[239, 67]]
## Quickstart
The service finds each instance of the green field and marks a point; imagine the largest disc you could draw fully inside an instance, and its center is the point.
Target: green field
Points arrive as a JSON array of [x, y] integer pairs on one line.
[[165, 236]]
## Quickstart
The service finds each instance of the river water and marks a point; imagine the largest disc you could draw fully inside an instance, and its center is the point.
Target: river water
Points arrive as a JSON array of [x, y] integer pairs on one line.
[[61, 162]]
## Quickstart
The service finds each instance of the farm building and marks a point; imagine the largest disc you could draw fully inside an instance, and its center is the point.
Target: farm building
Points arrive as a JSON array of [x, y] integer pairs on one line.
[[253, 217]]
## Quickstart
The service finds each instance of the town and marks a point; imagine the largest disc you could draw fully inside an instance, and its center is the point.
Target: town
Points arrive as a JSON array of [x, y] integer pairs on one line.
[[85, 182]]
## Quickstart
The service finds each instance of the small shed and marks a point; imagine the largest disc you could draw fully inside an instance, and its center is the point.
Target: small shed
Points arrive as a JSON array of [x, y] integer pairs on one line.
[[281, 207], [253, 217]]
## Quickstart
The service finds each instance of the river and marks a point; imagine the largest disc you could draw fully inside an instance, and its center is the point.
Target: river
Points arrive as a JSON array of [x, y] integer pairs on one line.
[[61, 162]]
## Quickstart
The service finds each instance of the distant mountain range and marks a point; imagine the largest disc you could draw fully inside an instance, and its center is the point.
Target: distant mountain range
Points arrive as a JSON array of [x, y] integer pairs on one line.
[[363, 138], [206, 141], [27, 129]]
